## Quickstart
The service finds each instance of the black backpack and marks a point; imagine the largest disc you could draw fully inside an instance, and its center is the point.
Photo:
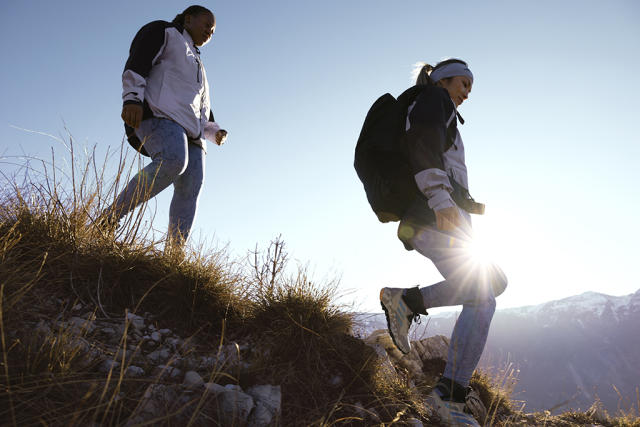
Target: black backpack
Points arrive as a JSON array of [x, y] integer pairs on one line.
[[380, 162]]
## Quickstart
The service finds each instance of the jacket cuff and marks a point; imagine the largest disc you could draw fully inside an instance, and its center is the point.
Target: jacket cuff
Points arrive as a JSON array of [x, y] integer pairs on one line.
[[133, 86], [441, 200], [210, 130], [435, 185]]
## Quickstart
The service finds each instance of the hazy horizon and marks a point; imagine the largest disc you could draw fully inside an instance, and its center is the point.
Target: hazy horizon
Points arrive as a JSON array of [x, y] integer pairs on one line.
[[550, 138]]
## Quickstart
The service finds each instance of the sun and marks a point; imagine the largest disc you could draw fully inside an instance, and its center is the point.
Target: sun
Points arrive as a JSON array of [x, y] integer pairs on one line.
[[487, 244]]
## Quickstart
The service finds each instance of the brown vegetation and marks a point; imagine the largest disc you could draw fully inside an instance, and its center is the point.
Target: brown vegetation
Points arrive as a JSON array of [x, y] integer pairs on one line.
[[54, 255]]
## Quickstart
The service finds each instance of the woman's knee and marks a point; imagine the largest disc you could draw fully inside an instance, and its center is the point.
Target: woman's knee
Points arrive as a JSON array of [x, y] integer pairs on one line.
[[485, 304], [170, 166]]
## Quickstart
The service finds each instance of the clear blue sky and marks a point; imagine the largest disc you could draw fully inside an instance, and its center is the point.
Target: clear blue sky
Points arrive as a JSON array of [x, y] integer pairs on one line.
[[550, 133]]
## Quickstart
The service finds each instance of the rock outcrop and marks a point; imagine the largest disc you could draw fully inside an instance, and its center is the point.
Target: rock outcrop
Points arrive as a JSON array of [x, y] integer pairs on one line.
[[180, 377]]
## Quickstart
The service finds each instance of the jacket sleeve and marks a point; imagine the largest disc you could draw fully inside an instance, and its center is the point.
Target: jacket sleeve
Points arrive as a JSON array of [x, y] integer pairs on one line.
[[210, 128], [426, 140], [146, 47]]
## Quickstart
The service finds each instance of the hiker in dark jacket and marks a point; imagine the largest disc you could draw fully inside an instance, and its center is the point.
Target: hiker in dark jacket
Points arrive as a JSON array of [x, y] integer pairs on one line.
[[167, 115], [438, 226]]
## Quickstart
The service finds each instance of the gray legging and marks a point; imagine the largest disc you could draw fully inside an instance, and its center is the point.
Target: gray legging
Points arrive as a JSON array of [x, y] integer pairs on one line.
[[468, 282], [174, 161]]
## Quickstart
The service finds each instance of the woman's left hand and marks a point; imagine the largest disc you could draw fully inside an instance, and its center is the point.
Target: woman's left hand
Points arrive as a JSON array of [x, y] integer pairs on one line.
[[448, 219], [221, 135]]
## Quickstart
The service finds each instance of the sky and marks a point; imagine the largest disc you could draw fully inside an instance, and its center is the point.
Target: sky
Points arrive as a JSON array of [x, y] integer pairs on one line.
[[550, 135]]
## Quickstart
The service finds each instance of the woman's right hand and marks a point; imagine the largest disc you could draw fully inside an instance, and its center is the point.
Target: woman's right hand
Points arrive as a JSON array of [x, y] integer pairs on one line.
[[448, 219], [221, 135], [132, 114]]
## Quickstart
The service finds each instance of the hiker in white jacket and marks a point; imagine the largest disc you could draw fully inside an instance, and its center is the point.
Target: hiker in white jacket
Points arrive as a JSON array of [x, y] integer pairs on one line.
[[438, 226], [167, 115]]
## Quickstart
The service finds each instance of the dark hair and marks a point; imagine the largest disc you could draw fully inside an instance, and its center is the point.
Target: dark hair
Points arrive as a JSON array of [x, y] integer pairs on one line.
[[192, 11], [424, 74]]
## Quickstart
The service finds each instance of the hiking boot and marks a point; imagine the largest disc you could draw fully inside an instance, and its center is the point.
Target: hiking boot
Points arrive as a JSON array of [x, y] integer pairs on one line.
[[399, 317], [450, 406], [474, 405]]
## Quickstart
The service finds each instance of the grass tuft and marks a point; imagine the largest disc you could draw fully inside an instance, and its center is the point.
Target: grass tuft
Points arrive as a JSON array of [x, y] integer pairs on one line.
[[55, 257]]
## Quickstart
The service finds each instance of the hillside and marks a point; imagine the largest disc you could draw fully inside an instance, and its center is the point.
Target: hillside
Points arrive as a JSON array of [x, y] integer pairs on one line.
[[586, 346], [108, 327]]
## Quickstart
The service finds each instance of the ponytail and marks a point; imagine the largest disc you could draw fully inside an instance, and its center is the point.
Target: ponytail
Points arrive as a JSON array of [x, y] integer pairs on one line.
[[193, 11], [421, 73]]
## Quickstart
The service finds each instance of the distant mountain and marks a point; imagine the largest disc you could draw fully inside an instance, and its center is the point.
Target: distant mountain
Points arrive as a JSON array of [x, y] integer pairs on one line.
[[569, 352]]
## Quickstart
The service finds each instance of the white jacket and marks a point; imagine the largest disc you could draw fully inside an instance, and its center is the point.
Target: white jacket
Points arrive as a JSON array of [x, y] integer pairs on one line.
[[164, 73]]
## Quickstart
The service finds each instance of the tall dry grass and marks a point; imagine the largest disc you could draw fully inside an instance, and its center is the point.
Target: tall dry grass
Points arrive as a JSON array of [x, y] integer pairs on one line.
[[55, 254]]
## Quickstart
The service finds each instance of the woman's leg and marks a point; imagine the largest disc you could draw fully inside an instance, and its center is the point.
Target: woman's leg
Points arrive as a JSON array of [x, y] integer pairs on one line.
[[468, 279], [166, 143], [186, 193], [468, 340], [469, 282]]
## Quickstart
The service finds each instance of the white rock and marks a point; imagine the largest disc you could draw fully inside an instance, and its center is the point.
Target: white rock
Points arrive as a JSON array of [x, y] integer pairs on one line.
[[156, 336], [159, 355], [422, 352], [134, 371], [108, 364], [235, 407], [155, 398], [166, 371], [174, 343], [78, 324], [260, 416], [136, 321], [233, 387], [149, 345], [108, 331], [192, 379], [165, 331], [214, 388], [270, 395], [268, 400], [119, 352]]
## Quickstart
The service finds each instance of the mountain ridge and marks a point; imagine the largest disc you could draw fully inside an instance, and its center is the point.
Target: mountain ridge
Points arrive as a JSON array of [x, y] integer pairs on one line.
[[568, 352]]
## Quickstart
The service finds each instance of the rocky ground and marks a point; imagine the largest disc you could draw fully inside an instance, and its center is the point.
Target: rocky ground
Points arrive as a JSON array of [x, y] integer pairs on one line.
[[192, 381]]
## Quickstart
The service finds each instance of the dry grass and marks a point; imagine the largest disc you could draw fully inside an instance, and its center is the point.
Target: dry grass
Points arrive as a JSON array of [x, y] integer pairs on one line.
[[496, 391], [53, 256], [328, 376]]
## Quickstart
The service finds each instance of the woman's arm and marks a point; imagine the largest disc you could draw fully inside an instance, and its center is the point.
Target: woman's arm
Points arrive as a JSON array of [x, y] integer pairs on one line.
[[146, 46], [426, 142]]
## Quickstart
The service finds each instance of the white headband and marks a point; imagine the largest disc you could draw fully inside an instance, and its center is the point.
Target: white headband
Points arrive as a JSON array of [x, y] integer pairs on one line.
[[451, 70]]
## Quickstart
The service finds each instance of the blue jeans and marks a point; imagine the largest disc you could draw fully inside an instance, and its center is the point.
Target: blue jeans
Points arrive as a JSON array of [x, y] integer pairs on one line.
[[467, 282], [174, 160]]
